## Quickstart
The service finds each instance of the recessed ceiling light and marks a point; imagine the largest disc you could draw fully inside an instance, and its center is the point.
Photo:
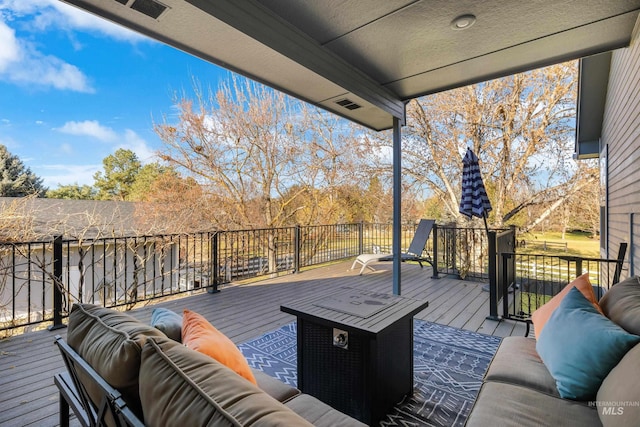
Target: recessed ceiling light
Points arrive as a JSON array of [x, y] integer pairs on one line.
[[463, 22]]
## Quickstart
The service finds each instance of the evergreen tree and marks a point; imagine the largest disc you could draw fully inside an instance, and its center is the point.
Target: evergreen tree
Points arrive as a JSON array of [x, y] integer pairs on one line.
[[17, 180], [73, 191], [120, 172]]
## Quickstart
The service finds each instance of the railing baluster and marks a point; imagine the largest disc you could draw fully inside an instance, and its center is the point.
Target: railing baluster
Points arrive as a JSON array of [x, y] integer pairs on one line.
[[57, 284], [43, 312], [29, 317]]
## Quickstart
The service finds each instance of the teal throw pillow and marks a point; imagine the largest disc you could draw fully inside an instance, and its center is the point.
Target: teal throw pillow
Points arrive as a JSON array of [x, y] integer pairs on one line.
[[579, 346], [168, 322]]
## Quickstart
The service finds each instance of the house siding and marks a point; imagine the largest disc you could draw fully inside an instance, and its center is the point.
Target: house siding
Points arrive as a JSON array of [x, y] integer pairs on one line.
[[621, 134]]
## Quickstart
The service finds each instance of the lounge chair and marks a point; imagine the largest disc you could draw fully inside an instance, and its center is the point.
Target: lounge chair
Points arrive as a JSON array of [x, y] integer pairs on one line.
[[415, 252]]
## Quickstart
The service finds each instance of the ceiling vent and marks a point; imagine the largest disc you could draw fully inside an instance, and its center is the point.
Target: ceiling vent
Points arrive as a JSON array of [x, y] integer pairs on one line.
[[122, 2], [150, 8], [348, 104]]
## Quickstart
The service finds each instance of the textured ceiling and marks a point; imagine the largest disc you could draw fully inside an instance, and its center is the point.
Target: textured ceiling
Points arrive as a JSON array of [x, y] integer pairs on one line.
[[379, 54]]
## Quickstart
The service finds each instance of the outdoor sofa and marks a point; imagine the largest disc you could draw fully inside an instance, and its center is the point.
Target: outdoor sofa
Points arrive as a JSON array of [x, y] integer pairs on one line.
[[596, 366], [124, 372]]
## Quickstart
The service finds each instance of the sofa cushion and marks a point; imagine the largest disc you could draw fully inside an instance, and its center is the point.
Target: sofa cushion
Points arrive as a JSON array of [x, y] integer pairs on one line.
[[111, 342], [182, 387], [508, 405], [517, 362], [319, 413], [622, 304], [168, 322], [619, 395], [580, 346], [273, 387], [200, 335], [541, 316]]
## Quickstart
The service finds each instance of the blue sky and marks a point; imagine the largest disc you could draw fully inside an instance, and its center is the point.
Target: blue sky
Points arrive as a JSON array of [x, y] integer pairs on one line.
[[74, 88]]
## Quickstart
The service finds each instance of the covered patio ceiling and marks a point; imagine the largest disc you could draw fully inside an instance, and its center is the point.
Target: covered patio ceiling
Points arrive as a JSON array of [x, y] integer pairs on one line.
[[365, 59]]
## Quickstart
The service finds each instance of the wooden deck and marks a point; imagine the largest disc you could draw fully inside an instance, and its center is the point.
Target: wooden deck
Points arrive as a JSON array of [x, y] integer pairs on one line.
[[28, 361]]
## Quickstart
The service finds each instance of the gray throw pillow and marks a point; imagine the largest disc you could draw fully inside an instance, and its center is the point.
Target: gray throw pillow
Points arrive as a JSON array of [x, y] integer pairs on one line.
[[168, 322]]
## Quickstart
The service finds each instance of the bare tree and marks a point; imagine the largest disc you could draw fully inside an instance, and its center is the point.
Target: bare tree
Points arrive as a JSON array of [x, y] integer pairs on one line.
[[521, 127], [173, 204], [256, 152], [258, 155], [578, 200], [16, 225]]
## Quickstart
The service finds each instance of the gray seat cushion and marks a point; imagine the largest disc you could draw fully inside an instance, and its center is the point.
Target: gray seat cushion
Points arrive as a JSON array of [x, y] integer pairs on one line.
[[508, 405], [622, 304], [320, 414], [619, 394], [111, 342], [517, 362], [182, 387], [274, 388]]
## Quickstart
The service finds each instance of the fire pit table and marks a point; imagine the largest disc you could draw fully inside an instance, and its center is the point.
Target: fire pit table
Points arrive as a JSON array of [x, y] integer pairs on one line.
[[355, 350]]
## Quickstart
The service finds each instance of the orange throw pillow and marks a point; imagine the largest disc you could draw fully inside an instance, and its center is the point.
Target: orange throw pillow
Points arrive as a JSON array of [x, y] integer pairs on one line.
[[200, 335], [542, 315]]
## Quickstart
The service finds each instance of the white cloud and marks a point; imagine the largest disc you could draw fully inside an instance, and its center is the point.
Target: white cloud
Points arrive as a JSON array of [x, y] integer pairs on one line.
[[22, 63], [135, 143], [60, 174], [67, 174], [35, 68], [46, 14], [128, 139], [91, 128], [10, 51]]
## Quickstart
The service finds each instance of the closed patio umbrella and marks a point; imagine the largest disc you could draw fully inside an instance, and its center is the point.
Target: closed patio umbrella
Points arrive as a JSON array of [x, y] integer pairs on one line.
[[474, 200]]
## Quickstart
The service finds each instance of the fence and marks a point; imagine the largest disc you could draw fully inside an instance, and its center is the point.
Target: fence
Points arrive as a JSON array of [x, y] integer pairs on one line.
[[544, 245], [539, 277], [35, 277], [465, 251], [40, 280]]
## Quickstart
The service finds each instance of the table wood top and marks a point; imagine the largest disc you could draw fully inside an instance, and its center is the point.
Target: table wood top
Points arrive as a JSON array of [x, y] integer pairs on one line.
[[315, 309]]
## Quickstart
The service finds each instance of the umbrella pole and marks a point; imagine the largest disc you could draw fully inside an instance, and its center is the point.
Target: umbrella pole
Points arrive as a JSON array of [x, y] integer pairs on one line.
[[486, 227]]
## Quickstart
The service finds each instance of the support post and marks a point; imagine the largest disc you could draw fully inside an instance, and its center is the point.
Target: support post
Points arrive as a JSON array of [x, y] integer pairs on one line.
[[493, 277], [397, 205], [57, 284], [296, 249], [215, 266], [578, 266], [506, 284], [434, 233]]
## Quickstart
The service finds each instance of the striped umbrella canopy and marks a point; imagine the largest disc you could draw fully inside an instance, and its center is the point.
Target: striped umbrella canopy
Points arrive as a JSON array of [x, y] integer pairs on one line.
[[474, 200]]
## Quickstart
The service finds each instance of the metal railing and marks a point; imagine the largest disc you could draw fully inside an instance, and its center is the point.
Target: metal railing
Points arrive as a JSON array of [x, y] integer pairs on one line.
[[464, 251], [539, 277], [39, 281]]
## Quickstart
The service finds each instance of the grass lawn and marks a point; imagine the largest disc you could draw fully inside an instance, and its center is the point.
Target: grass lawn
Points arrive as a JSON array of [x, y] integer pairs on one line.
[[578, 244]]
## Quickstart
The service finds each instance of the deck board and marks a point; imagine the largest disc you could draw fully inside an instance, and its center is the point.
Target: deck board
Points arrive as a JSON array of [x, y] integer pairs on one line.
[[242, 312]]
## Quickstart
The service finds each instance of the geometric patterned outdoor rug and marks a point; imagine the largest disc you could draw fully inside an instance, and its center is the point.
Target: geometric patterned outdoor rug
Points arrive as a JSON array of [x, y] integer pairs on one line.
[[449, 364]]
